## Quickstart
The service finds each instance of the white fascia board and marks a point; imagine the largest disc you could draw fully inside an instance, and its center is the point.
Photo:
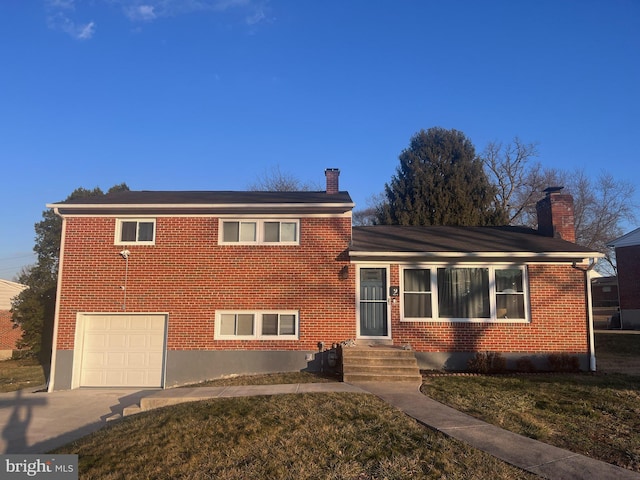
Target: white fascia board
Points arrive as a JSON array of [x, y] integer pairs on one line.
[[171, 206], [536, 255]]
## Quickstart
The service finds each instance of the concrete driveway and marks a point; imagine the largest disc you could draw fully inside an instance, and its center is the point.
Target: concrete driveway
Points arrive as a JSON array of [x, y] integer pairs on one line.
[[36, 421]]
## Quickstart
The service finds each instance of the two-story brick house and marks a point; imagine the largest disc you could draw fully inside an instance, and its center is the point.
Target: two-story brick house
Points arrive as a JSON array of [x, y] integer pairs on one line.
[[627, 250], [164, 288]]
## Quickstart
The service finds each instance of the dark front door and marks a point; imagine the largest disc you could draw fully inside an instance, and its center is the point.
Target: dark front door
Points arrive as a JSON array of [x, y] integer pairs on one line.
[[373, 302]]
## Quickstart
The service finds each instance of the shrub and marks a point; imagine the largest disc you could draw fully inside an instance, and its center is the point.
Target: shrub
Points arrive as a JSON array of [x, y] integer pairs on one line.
[[563, 362], [526, 365], [488, 362]]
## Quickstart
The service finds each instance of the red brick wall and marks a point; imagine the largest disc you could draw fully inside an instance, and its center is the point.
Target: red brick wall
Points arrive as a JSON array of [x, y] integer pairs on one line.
[[558, 320], [187, 274], [8, 334], [628, 260], [190, 276], [555, 216]]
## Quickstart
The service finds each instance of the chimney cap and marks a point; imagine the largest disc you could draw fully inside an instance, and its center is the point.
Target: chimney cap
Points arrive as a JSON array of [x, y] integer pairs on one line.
[[551, 190]]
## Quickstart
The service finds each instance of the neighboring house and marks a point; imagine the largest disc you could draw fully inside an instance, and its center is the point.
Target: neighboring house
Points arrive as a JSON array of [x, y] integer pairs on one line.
[[605, 292], [160, 289], [627, 250], [10, 333]]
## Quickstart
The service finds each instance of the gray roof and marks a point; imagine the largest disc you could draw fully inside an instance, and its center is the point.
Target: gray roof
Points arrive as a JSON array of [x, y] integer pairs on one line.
[[143, 202], [631, 239], [146, 197], [443, 241]]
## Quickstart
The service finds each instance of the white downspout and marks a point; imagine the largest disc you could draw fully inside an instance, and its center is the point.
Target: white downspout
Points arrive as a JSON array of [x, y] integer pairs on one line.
[[592, 344], [54, 344]]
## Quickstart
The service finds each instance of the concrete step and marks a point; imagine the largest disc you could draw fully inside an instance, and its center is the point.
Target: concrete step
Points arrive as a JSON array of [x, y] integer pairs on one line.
[[132, 410], [381, 361], [376, 369], [379, 364], [377, 352], [358, 378], [151, 403]]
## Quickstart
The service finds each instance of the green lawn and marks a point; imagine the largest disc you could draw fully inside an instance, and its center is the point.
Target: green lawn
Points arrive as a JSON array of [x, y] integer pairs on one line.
[[302, 436], [360, 437], [597, 415], [19, 374]]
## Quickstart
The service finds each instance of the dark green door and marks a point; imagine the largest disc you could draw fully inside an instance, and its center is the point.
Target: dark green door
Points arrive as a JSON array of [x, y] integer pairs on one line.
[[373, 302]]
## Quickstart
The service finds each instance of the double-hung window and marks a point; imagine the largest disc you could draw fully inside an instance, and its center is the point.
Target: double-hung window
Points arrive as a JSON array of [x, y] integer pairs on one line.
[[257, 325], [464, 293], [131, 231], [263, 231]]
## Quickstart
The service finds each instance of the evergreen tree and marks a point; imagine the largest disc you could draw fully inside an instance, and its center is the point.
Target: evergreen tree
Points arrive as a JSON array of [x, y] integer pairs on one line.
[[440, 181], [34, 308]]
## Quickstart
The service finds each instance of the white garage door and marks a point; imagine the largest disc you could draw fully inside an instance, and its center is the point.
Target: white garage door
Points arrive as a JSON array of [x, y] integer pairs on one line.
[[123, 350]]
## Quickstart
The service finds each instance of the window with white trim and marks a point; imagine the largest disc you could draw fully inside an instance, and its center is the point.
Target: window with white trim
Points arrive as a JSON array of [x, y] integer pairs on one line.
[[464, 293], [140, 231], [260, 325], [266, 231]]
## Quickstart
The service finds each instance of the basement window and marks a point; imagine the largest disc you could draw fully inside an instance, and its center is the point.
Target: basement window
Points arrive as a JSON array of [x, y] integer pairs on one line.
[[256, 325]]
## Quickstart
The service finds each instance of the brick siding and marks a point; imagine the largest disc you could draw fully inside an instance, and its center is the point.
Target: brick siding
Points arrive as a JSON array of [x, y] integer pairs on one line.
[[187, 274], [628, 260], [558, 320], [9, 334]]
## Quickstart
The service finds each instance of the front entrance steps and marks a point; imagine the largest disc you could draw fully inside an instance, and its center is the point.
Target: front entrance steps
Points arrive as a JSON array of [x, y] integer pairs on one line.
[[379, 363]]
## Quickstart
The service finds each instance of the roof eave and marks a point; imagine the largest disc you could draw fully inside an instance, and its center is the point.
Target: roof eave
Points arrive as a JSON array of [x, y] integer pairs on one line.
[[534, 256], [65, 208]]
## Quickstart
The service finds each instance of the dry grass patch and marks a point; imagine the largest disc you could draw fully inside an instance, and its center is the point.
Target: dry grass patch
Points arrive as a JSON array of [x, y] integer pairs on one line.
[[19, 374], [268, 379], [618, 352], [595, 415], [304, 436]]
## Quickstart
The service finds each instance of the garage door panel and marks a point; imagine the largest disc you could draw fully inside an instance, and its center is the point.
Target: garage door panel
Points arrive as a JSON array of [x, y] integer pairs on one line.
[[118, 323], [123, 350], [137, 340], [114, 377], [137, 377], [116, 340], [92, 377], [137, 359], [115, 359], [95, 340], [94, 360]]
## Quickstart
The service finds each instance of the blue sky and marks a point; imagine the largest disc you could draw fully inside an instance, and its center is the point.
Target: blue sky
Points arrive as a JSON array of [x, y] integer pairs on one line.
[[209, 94]]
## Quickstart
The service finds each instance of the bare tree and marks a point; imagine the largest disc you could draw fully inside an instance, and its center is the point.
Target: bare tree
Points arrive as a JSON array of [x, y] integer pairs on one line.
[[517, 179], [601, 207], [275, 180], [367, 216]]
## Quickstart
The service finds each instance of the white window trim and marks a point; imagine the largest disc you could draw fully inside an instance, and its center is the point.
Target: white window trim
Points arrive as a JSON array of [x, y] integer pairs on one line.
[[118, 234], [257, 326], [259, 230], [493, 318]]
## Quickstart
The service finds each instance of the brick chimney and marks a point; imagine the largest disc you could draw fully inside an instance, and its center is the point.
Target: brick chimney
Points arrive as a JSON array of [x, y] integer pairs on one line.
[[332, 175], [555, 215]]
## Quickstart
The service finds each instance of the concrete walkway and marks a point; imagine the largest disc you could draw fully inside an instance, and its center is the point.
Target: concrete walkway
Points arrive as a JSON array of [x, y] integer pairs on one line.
[[39, 422], [34, 421], [531, 455]]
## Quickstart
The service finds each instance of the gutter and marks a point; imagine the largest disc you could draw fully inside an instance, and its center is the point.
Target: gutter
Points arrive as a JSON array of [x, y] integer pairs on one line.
[[576, 257]]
